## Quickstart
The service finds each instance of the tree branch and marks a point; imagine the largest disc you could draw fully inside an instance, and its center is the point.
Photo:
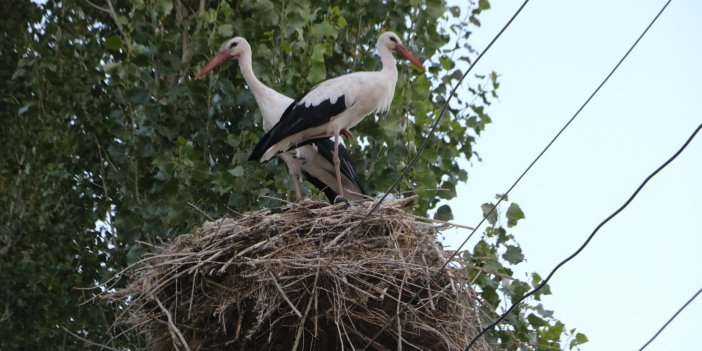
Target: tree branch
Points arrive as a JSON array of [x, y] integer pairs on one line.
[[87, 341], [110, 9], [185, 40], [171, 325]]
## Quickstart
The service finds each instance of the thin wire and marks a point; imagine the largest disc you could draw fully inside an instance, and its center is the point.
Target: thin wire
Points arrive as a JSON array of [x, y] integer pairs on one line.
[[543, 283], [419, 151], [671, 318], [518, 179]]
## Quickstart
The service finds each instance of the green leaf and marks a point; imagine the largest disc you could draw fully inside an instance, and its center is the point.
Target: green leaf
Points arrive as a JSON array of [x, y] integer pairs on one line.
[[535, 321], [391, 125], [110, 67], [579, 339], [181, 140], [474, 20], [317, 73], [318, 70], [518, 289], [165, 6], [490, 295], [318, 53], [535, 279], [113, 43], [237, 171], [225, 9], [443, 213], [123, 20], [435, 8], [233, 140], [484, 4], [209, 16], [491, 216], [513, 254], [306, 12], [19, 73], [554, 332], [514, 214], [546, 290], [323, 30], [226, 30], [446, 63], [137, 95], [341, 22], [544, 312], [134, 254]]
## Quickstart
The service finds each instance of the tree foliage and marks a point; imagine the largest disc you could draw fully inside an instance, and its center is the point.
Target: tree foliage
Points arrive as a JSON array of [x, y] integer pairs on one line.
[[108, 142], [491, 266]]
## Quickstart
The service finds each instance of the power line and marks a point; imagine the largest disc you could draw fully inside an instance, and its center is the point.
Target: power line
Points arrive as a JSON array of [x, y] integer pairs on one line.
[[416, 157], [614, 214], [671, 319], [518, 179], [543, 283]]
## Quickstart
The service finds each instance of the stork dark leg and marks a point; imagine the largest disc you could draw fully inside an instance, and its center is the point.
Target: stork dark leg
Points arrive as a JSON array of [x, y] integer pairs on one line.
[[296, 183], [337, 165]]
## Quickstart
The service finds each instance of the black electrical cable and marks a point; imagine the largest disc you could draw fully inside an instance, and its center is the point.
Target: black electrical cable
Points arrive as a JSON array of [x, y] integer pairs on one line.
[[522, 175], [614, 214], [671, 319], [543, 283]]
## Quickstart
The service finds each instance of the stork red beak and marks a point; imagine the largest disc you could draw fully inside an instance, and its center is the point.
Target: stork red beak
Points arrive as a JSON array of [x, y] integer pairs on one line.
[[408, 55], [222, 57]]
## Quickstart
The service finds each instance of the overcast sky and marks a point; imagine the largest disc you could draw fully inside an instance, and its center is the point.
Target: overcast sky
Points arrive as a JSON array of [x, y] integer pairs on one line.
[[644, 264]]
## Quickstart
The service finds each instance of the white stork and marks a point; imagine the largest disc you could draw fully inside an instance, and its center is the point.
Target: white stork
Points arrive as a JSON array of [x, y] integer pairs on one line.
[[313, 161], [336, 105]]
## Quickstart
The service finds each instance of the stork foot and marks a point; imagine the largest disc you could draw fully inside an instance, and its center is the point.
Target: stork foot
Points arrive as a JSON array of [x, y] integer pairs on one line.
[[347, 133], [340, 199], [389, 197]]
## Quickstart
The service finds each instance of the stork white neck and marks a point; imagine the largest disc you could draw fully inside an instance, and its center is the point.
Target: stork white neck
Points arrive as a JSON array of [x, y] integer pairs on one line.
[[388, 60], [389, 78], [270, 102], [246, 67]]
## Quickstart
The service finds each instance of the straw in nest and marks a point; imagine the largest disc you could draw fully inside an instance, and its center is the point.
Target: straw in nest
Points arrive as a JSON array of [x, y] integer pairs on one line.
[[266, 281]]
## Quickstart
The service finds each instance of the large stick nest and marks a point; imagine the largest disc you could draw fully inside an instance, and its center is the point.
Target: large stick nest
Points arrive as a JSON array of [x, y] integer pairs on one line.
[[307, 277]]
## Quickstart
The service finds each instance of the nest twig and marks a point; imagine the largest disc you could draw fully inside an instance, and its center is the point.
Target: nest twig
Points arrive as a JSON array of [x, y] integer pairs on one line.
[[258, 283]]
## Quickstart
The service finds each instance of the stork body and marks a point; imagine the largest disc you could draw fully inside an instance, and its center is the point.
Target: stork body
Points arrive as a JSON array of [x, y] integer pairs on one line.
[[336, 105], [313, 161]]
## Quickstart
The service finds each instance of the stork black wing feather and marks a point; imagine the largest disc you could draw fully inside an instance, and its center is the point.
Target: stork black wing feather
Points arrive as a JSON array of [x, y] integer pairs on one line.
[[258, 149], [296, 118], [325, 148], [331, 195]]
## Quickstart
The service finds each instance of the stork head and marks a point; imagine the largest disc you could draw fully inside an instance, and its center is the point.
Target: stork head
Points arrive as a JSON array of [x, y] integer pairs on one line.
[[234, 48], [391, 41]]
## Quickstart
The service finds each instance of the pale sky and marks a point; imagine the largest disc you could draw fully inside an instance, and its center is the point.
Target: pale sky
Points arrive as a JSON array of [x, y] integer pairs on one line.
[[645, 263]]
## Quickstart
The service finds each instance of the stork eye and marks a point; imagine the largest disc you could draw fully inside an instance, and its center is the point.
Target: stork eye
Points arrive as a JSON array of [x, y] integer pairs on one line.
[[232, 45], [393, 39]]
